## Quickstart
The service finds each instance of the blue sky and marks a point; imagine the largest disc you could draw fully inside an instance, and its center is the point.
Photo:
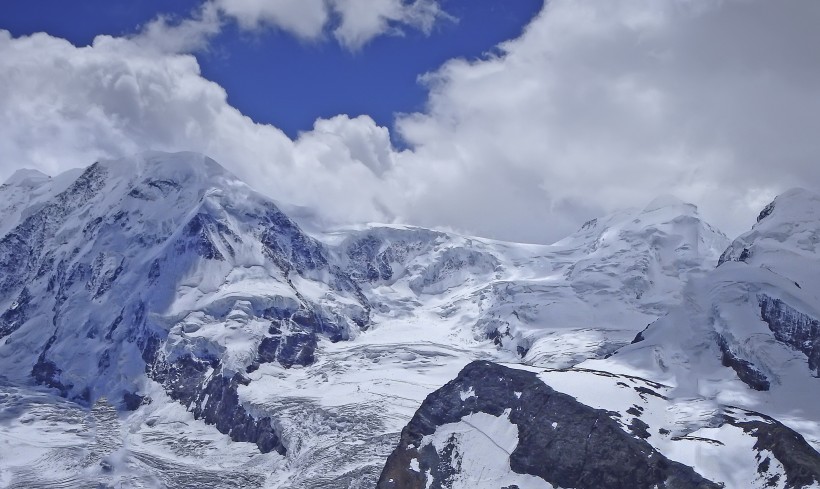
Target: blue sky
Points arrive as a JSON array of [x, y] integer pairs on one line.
[[276, 78]]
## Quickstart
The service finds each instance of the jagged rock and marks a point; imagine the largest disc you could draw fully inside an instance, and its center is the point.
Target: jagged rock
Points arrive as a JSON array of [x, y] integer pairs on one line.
[[745, 370], [794, 328], [801, 463], [560, 440]]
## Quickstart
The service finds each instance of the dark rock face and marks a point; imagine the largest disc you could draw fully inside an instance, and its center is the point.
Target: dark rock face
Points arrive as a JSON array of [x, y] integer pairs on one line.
[[218, 404], [731, 254], [585, 449], [286, 245], [16, 315], [794, 328], [133, 401], [201, 235], [22, 252], [47, 373], [766, 212], [745, 370], [800, 461], [214, 399], [371, 257], [368, 263], [293, 348]]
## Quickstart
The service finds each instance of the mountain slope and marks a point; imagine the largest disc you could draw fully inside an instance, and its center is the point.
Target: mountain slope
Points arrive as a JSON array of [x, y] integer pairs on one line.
[[166, 265], [162, 285], [552, 305], [496, 426], [748, 332], [725, 383]]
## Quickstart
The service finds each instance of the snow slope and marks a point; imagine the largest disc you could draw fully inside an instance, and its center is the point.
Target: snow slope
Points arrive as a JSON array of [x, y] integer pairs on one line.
[[726, 383], [163, 286], [748, 333], [553, 305], [164, 268]]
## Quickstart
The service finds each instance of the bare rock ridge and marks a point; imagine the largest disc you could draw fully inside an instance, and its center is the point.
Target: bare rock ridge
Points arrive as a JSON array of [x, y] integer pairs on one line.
[[561, 441], [565, 443]]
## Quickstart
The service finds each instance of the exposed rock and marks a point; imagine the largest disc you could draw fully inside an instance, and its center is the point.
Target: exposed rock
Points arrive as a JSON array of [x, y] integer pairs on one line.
[[562, 441], [794, 328], [212, 397], [766, 212], [800, 461], [745, 370]]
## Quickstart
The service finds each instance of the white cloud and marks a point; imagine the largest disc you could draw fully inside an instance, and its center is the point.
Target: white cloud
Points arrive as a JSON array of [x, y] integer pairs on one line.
[[597, 106], [303, 18], [353, 22], [63, 106], [601, 105], [166, 35], [362, 20]]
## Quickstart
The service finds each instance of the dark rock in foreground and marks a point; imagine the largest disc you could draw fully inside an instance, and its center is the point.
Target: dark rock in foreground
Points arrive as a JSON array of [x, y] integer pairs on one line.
[[562, 441]]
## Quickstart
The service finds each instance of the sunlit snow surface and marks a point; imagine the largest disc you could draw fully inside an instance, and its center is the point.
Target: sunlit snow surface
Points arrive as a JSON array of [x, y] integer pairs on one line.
[[778, 259], [446, 300]]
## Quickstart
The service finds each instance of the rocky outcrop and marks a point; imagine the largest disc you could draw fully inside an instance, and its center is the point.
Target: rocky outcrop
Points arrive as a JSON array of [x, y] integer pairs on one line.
[[560, 440], [745, 370], [801, 463], [202, 387], [798, 330]]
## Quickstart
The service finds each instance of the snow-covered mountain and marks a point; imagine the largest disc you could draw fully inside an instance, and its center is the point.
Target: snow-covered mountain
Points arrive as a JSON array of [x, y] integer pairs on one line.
[[161, 299], [552, 305], [163, 268], [726, 384], [748, 333]]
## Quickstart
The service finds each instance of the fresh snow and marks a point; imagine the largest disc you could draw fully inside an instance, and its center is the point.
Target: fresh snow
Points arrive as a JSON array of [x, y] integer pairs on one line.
[[482, 446], [438, 301]]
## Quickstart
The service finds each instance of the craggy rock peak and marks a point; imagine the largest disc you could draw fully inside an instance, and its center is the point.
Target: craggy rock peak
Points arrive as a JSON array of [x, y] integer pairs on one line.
[[496, 426], [560, 440]]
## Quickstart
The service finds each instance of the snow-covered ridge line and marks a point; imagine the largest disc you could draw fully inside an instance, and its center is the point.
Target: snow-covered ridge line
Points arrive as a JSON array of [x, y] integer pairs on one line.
[[165, 285], [146, 258]]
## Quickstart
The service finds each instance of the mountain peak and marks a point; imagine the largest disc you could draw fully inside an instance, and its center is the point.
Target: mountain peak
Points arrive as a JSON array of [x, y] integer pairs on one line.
[[27, 177], [793, 205], [185, 166], [667, 201]]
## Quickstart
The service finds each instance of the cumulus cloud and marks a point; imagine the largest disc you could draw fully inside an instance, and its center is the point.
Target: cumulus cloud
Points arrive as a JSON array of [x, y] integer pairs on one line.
[[597, 106], [303, 18], [353, 23], [600, 105], [168, 35], [63, 106], [362, 20]]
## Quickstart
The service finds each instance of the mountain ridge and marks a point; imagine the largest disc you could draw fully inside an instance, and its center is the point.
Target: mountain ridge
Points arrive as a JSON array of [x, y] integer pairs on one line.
[[163, 285]]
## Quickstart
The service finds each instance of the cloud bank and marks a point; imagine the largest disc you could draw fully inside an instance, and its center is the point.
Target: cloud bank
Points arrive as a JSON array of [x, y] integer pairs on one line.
[[597, 106]]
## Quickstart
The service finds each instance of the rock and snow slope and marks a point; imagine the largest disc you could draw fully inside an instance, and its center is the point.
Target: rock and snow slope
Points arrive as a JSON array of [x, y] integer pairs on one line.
[[496, 426], [725, 383], [748, 333], [163, 285], [553, 305], [164, 268]]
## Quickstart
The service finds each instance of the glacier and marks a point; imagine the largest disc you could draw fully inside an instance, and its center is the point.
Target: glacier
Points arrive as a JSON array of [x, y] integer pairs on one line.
[[162, 324]]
